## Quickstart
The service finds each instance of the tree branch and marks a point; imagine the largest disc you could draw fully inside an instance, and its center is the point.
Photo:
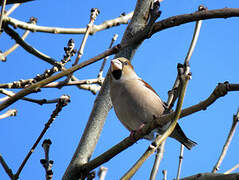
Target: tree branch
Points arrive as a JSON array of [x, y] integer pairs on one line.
[[10, 112], [27, 47], [103, 103], [5, 167], [25, 34], [180, 161], [63, 101], [235, 121], [199, 15], [212, 176], [184, 76], [157, 160], [218, 92], [123, 19], [35, 87]]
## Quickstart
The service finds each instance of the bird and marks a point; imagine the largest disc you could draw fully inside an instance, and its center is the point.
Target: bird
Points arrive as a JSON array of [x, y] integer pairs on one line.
[[136, 103]]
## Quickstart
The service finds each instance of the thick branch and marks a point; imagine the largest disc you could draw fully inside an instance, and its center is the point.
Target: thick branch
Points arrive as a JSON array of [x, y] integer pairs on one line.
[[212, 176], [199, 15], [103, 103]]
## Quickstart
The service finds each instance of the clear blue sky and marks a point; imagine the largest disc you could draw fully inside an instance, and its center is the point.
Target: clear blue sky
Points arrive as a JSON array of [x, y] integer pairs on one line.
[[215, 60]]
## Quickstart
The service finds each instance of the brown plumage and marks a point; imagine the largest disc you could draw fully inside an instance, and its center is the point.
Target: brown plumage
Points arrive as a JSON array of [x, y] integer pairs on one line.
[[136, 102]]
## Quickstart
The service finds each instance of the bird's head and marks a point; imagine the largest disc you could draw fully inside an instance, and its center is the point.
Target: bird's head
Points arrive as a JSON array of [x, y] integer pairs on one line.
[[121, 68]]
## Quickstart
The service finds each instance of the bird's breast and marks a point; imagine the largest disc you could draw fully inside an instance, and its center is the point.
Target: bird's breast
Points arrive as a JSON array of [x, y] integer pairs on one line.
[[134, 104]]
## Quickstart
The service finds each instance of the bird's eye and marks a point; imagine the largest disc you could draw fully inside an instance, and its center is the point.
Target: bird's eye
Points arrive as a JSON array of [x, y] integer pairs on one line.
[[126, 63]]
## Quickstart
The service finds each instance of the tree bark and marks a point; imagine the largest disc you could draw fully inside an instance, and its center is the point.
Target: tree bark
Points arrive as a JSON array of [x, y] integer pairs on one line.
[[213, 176]]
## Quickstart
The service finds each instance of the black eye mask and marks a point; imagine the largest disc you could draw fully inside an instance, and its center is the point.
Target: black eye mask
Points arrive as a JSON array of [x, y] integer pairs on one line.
[[117, 74]]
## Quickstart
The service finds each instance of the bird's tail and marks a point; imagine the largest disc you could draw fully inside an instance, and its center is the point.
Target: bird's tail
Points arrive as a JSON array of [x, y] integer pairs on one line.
[[179, 135]]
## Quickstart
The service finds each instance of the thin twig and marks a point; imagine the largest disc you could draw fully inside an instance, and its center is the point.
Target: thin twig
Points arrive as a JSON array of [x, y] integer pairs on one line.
[[184, 75], [2, 14], [4, 54], [100, 75], [50, 60], [10, 50], [232, 169], [173, 94], [220, 91], [180, 161], [10, 112], [14, 6], [37, 101], [32, 88], [157, 160], [29, 48], [73, 83], [164, 174], [57, 30], [46, 163], [6, 167], [102, 173], [63, 101], [69, 52], [94, 13], [227, 143]]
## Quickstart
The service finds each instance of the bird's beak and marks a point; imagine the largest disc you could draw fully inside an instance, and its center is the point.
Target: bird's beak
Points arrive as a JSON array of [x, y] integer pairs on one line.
[[116, 65]]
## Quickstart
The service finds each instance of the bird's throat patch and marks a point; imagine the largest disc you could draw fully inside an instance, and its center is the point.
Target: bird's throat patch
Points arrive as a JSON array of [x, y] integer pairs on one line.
[[117, 74]]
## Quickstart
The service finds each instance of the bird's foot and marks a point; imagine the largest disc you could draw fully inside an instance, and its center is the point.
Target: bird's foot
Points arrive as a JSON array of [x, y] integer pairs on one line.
[[133, 133]]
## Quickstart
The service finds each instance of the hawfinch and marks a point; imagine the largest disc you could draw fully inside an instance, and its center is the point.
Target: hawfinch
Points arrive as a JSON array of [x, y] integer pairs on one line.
[[136, 102]]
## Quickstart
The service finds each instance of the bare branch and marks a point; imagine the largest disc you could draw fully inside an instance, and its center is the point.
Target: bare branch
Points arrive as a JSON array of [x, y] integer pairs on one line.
[[199, 15], [17, 1], [102, 173], [164, 174], [14, 6], [29, 48], [232, 169], [173, 93], [227, 143], [57, 30], [5, 167], [46, 163], [219, 91], [94, 13], [37, 101], [102, 103], [3, 3], [34, 87], [4, 55], [63, 101], [180, 161], [212, 176], [104, 61], [10, 112], [157, 160]]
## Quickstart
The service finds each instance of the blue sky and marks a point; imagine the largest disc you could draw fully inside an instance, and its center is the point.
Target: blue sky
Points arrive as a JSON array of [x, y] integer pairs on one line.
[[214, 60]]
